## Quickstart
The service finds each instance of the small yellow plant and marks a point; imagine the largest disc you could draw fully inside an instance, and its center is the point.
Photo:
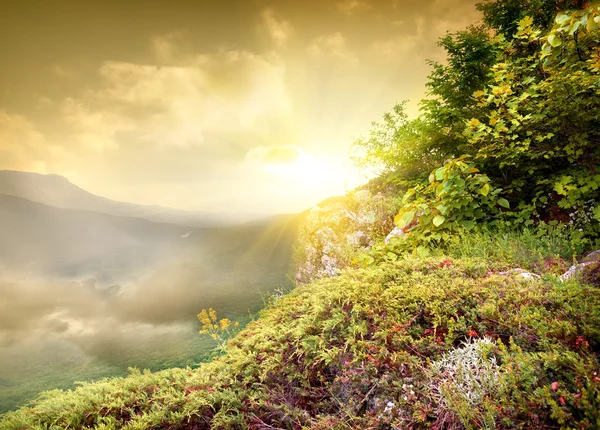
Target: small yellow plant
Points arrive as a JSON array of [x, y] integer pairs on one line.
[[219, 330]]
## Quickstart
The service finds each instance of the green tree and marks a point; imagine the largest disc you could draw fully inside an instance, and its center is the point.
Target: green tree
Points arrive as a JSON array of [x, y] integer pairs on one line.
[[396, 145], [540, 134], [503, 15]]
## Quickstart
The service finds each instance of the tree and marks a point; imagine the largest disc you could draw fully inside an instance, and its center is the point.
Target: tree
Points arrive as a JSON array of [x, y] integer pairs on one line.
[[503, 15], [396, 144]]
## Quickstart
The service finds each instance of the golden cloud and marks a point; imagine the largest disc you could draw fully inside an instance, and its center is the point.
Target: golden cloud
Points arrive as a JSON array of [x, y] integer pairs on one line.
[[283, 154], [333, 45], [278, 30]]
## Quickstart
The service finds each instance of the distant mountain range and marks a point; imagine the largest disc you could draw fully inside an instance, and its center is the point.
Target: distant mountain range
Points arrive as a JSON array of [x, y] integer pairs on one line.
[[51, 227], [47, 240], [58, 191]]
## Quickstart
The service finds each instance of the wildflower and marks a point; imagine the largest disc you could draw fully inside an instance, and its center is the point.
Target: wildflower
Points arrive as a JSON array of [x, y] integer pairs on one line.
[[474, 122]]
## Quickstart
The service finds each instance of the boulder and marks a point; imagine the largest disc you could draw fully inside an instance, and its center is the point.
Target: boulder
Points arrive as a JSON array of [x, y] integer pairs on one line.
[[520, 273], [396, 232], [587, 271]]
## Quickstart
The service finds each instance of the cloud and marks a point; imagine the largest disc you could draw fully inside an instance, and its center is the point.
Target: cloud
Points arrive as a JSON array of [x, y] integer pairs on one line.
[[275, 155], [22, 145], [351, 7], [93, 128], [334, 44], [168, 47], [62, 72], [278, 30], [173, 121], [183, 104]]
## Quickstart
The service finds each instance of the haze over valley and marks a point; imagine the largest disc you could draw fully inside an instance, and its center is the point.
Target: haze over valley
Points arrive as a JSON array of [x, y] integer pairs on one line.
[[87, 293]]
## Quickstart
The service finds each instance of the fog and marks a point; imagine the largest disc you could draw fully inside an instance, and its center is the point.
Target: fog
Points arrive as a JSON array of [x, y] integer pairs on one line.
[[57, 327]]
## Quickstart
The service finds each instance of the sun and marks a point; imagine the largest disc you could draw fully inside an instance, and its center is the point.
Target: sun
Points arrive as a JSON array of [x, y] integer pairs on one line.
[[321, 176]]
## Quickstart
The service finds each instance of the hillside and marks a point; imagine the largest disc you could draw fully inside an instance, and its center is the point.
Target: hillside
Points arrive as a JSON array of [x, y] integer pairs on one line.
[[416, 344], [46, 240], [50, 241], [85, 295], [56, 190]]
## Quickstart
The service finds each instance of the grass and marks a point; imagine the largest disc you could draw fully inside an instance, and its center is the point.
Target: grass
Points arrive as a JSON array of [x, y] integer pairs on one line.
[[540, 249]]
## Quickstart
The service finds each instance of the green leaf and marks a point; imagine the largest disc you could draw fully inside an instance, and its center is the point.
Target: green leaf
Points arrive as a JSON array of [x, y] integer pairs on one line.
[[443, 209], [591, 24], [504, 203], [554, 41], [439, 174], [575, 27], [485, 189], [468, 224], [439, 220], [405, 219], [561, 18], [411, 192]]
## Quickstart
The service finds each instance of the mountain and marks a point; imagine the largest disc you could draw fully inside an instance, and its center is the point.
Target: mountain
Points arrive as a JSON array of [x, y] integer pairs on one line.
[[58, 191], [50, 241], [47, 240]]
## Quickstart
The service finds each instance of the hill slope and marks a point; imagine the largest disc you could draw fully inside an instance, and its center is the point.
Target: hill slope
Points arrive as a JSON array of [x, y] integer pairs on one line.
[[86, 295], [55, 190], [415, 344], [50, 241]]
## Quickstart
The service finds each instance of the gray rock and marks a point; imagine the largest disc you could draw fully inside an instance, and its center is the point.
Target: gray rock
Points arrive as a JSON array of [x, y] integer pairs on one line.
[[586, 271], [520, 273], [396, 232], [592, 256]]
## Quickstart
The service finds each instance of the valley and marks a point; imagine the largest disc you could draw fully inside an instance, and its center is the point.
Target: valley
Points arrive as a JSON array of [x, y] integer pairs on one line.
[[87, 294]]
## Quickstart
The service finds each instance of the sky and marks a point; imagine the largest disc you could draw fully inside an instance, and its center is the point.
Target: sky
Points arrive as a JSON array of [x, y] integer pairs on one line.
[[247, 106]]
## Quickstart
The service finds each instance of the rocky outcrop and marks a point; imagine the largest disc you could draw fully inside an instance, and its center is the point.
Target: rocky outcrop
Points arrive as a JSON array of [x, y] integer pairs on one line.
[[335, 229], [396, 232], [587, 271]]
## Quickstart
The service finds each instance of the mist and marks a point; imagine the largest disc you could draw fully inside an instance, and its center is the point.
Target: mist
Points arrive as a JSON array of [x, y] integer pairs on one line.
[[132, 301]]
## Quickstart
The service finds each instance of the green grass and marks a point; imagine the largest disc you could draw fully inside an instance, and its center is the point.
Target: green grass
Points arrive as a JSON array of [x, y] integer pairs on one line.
[[358, 351], [540, 249]]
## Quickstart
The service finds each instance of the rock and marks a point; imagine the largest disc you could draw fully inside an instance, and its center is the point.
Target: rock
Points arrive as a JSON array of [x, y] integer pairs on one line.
[[520, 273], [396, 232], [587, 271], [359, 239], [329, 266], [336, 226], [592, 256]]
